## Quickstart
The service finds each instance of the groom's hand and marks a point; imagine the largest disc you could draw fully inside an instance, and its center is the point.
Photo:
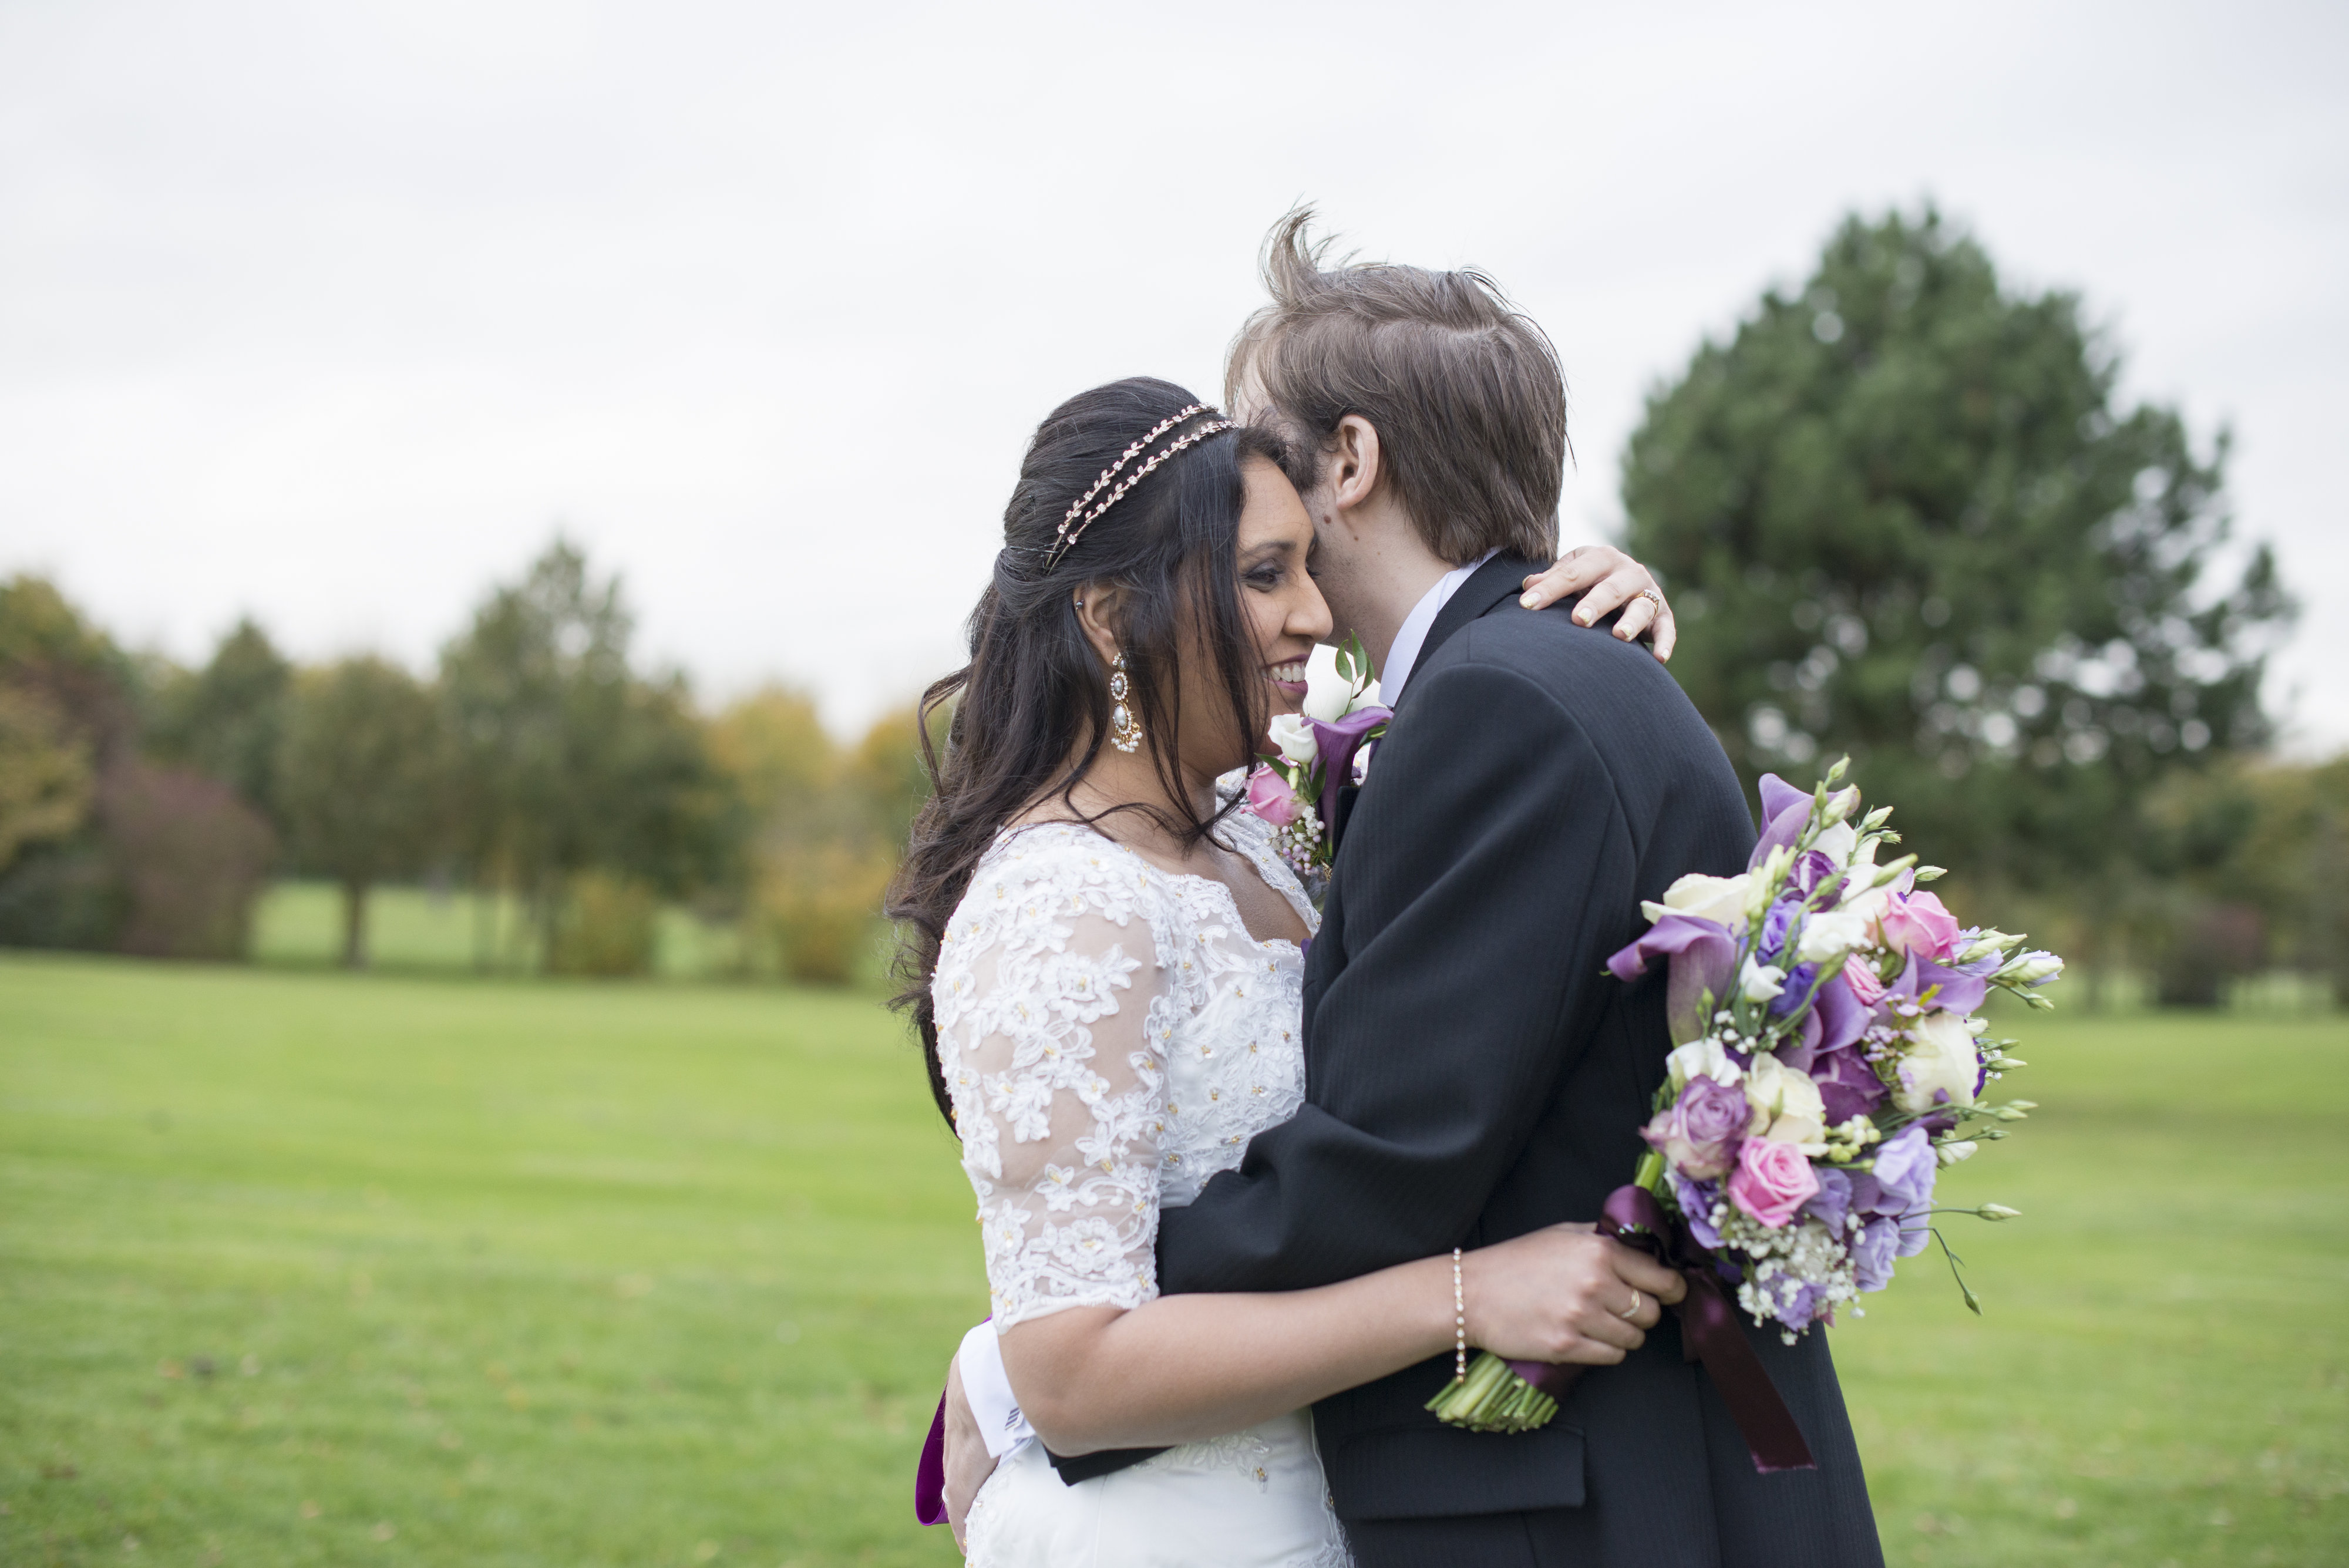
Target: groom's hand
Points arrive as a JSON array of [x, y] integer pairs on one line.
[[969, 1464], [1565, 1294]]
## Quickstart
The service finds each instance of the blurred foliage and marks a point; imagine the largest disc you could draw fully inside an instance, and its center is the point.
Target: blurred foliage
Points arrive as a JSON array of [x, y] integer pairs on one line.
[[608, 927], [823, 826], [189, 858], [45, 773], [564, 758], [1905, 515], [362, 780], [228, 719]]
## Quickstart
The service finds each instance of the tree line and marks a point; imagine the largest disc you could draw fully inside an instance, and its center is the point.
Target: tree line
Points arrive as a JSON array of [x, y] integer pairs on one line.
[[1904, 512], [144, 806]]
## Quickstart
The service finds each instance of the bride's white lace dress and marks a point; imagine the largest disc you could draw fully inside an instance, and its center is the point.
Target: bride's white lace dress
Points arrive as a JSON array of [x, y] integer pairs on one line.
[[1112, 1037]]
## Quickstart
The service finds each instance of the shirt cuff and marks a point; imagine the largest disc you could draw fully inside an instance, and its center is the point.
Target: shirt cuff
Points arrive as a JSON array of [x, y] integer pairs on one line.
[[988, 1389]]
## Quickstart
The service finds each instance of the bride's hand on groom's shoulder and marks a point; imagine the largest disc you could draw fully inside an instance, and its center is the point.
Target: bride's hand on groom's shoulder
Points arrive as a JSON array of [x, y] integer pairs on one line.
[[1565, 1294], [1607, 579]]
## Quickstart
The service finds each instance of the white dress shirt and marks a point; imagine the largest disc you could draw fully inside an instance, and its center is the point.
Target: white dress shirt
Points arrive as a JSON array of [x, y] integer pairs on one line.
[[1412, 637]]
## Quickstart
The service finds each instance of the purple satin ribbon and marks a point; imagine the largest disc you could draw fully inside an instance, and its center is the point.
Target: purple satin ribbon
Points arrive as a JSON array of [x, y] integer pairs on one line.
[[930, 1473], [1710, 1332]]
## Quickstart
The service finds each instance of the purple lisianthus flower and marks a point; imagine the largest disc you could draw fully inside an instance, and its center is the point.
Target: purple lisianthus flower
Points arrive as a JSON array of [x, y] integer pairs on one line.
[[1699, 1132], [1696, 1200], [1960, 992], [1771, 941], [1872, 1251], [1848, 1086], [1899, 1186], [1799, 981], [1811, 868], [1801, 1312], [1832, 1202]]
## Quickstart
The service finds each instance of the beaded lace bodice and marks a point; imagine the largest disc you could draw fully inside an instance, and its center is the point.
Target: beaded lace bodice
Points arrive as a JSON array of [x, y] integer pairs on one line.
[[1112, 1037]]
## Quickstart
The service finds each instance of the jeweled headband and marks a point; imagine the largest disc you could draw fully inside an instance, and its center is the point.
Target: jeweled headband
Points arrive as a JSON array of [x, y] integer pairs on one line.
[[1078, 519]]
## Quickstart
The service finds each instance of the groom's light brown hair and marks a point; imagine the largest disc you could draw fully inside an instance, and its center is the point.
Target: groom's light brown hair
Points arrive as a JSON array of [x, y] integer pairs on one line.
[[1463, 388]]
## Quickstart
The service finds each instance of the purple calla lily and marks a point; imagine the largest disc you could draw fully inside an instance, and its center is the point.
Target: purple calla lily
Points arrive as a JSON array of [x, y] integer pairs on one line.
[[1338, 742], [1704, 955], [1786, 809]]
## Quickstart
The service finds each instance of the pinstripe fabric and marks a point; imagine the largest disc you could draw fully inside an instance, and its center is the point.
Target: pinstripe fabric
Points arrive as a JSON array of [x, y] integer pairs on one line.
[[1471, 1075]]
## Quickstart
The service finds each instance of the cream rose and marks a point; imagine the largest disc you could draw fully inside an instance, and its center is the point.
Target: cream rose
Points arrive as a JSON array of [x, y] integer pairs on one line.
[[1294, 736], [1942, 1060], [1721, 900], [1787, 1105]]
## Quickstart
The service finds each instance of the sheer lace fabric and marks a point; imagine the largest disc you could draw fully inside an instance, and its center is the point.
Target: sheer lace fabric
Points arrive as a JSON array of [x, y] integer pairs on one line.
[[1112, 1037]]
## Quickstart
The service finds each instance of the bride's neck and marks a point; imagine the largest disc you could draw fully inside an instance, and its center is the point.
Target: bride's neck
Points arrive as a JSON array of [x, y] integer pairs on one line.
[[1132, 779]]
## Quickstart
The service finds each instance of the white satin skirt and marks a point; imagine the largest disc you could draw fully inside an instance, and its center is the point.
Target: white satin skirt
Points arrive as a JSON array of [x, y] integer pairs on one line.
[[1251, 1499]]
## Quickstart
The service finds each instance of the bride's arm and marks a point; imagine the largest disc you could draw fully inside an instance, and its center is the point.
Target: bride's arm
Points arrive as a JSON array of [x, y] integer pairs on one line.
[[1055, 1018], [1181, 1368]]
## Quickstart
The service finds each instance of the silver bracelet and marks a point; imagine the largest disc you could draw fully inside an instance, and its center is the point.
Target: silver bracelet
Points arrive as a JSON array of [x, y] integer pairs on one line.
[[1459, 1324]]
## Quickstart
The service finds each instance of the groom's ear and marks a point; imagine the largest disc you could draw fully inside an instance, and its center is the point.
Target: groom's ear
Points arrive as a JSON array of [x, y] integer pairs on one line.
[[1353, 468], [1098, 606]]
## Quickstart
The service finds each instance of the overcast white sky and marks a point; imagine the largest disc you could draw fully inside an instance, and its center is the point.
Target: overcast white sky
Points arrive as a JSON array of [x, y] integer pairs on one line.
[[331, 314]]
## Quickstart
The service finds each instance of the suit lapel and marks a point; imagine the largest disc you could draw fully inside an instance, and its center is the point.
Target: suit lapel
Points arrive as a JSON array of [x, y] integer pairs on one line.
[[1496, 580], [1502, 577]]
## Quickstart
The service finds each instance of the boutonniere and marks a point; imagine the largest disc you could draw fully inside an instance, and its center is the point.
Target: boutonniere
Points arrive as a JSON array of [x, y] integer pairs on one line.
[[1312, 752]]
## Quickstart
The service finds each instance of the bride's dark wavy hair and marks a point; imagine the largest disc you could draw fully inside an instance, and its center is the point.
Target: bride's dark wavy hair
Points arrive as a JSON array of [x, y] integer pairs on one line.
[[1031, 711]]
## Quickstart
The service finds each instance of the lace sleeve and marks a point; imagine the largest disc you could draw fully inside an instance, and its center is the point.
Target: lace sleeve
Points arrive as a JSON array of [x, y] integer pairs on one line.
[[1052, 1023]]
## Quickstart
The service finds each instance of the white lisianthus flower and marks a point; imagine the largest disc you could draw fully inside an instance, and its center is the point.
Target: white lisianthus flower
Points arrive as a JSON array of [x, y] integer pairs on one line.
[[1700, 1059], [1842, 803], [1717, 898], [1941, 1059], [1837, 842], [1294, 736], [1830, 934], [1787, 1105], [1989, 942], [1761, 981], [1326, 692], [2032, 968], [1950, 1153]]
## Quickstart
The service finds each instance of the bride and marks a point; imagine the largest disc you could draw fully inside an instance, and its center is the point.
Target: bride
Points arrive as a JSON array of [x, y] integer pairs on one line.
[[1105, 966]]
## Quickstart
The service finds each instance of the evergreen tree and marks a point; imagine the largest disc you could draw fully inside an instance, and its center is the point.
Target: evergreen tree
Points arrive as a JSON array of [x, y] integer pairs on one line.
[[1904, 514]]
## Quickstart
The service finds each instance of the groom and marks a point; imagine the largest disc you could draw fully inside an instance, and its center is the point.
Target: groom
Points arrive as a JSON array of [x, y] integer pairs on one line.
[[1472, 1073]]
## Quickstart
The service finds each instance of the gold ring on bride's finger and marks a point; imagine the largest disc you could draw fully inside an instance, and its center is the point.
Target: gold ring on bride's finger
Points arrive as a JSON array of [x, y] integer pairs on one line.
[[1652, 596], [1638, 1301]]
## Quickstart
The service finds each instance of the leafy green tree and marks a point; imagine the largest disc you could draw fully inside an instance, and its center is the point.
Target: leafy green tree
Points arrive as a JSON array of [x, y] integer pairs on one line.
[[1905, 515], [228, 719], [360, 777], [45, 774], [565, 759], [73, 713]]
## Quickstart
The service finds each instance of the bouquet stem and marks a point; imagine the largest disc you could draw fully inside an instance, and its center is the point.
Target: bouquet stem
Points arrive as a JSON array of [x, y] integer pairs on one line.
[[1491, 1399]]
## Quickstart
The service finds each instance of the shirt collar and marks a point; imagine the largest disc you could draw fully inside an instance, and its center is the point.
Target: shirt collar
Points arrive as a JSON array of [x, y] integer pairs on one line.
[[1412, 636]]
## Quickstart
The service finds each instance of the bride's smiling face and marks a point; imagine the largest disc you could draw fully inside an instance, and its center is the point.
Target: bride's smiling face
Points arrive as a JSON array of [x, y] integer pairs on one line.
[[1284, 614]]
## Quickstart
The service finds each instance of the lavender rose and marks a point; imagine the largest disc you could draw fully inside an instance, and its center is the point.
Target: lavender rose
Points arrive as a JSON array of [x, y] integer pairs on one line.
[[1697, 1133], [1772, 1181]]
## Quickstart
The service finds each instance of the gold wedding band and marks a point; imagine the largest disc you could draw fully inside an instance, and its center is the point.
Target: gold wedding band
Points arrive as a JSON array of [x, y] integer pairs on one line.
[[1628, 1314], [1651, 596]]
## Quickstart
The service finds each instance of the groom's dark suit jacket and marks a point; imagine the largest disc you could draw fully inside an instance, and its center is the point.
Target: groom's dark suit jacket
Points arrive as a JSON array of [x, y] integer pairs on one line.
[[1472, 1074]]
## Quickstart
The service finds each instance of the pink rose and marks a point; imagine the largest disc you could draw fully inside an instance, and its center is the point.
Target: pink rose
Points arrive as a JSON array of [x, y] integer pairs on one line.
[[1860, 976], [1916, 922], [1772, 1180], [1270, 797]]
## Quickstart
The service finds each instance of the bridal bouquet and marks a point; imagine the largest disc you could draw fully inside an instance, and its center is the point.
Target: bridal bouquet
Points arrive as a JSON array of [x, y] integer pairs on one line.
[[1312, 751], [1829, 1064]]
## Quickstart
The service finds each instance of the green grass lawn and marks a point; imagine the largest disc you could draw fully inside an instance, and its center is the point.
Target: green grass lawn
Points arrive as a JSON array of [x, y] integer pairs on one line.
[[305, 1268]]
